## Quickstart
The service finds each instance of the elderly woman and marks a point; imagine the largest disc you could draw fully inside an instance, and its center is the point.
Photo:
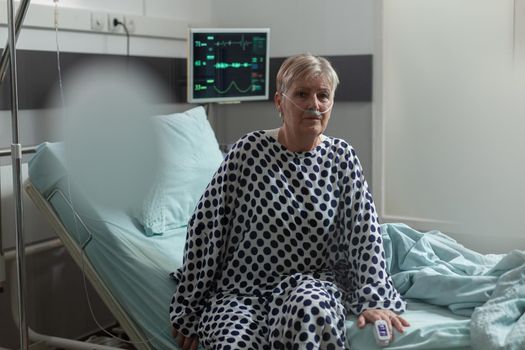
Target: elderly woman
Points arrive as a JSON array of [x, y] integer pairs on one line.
[[285, 241]]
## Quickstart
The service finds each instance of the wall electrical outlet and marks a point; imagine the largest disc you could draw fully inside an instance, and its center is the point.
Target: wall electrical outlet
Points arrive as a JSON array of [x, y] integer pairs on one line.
[[111, 23], [98, 21], [130, 24]]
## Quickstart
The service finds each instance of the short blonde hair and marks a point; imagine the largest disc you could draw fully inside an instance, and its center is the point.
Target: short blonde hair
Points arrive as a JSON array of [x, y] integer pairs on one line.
[[305, 66]]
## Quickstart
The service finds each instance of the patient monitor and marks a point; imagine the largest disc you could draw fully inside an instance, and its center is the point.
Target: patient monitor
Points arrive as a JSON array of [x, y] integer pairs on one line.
[[228, 65]]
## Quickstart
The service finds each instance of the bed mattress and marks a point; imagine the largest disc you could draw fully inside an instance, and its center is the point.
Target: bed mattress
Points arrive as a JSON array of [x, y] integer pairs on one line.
[[136, 268]]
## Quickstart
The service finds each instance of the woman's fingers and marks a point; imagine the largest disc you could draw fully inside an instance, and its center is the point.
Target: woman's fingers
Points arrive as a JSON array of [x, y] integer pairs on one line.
[[361, 321], [194, 344], [186, 343], [189, 343], [400, 323], [397, 324], [180, 339], [404, 322], [392, 319], [372, 315]]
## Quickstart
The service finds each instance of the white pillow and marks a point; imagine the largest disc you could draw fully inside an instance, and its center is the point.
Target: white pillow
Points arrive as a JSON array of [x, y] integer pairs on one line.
[[190, 155]]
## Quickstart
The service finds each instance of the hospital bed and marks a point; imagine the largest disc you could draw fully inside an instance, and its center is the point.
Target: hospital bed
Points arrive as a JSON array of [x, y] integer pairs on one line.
[[130, 270]]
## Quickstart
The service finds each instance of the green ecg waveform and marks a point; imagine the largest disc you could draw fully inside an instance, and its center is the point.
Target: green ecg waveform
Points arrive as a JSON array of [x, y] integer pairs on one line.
[[232, 84], [224, 65], [242, 43]]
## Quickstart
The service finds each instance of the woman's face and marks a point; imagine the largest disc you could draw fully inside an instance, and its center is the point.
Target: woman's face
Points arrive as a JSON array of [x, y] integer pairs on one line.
[[298, 102]]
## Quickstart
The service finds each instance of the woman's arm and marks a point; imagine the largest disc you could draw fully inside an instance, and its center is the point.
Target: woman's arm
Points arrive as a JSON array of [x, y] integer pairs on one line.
[[207, 237], [372, 287]]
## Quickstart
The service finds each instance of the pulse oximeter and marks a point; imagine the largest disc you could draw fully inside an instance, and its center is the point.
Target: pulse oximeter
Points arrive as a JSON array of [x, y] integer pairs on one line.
[[381, 333]]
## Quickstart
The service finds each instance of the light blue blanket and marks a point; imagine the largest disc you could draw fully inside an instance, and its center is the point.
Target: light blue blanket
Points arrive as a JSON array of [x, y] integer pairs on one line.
[[434, 268], [500, 322]]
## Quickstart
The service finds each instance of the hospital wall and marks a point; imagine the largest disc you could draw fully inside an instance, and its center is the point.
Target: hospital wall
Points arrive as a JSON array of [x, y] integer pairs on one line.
[[449, 119], [56, 297]]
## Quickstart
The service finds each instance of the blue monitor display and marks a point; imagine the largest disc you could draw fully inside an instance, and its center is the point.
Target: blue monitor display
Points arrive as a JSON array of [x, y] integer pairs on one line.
[[228, 65]]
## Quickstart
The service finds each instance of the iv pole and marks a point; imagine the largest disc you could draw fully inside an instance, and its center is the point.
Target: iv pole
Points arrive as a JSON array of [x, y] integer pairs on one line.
[[16, 156]]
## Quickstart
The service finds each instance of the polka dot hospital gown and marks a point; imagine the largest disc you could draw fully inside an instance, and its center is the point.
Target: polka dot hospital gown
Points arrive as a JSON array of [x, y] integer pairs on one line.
[[280, 248]]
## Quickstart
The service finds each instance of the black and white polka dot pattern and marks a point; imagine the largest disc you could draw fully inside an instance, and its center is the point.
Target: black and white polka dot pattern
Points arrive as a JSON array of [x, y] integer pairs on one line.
[[276, 230]]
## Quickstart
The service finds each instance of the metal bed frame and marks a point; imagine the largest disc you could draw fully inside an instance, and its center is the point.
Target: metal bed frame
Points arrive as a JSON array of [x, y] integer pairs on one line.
[[64, 239], [138, 339]]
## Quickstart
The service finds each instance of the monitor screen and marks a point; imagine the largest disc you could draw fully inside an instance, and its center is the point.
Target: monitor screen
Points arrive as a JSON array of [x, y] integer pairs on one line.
[[228, 65]]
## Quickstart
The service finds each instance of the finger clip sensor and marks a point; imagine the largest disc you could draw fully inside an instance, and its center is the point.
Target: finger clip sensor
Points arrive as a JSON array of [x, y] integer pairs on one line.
[[381, 333]]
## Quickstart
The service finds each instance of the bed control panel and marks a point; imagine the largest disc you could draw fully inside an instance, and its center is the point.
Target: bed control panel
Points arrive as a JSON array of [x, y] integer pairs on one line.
[[381, 333]]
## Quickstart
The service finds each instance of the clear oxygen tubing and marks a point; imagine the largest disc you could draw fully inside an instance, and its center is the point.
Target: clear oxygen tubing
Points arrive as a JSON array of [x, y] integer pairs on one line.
[[311, 111]]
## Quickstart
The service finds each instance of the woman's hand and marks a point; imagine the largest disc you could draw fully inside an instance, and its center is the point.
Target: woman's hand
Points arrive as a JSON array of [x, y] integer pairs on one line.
[[391, 318], [186, 343]]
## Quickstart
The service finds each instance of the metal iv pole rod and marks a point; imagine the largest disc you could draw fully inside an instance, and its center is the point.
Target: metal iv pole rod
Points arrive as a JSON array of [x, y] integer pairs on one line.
[[20, 15], [16, 156]]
